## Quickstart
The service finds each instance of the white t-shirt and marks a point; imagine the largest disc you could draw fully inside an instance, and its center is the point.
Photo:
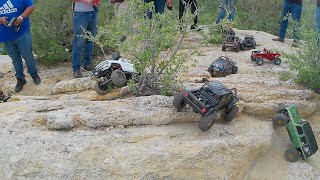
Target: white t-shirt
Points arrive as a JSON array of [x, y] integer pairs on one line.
[[82, 7]]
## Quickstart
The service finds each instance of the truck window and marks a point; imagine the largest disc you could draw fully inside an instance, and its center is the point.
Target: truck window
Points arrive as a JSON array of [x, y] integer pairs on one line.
[[299, 129], [303, 140]]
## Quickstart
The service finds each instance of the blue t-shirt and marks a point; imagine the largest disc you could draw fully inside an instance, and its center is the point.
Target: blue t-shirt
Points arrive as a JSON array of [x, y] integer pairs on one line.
[[10, 9]]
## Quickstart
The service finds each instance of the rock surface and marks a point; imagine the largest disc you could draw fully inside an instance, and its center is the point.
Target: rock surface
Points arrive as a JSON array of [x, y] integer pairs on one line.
[[71, 134], [5, 64], [144, 152], [74, 85], [302, 171]]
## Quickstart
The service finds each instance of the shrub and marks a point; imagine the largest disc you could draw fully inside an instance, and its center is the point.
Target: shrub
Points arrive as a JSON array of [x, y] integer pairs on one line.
[[284, 76], [306, 61], [52, 30], [2, 50]]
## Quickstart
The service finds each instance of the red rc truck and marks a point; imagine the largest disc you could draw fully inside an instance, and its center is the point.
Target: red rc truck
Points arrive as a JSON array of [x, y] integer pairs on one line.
[[258, 56]]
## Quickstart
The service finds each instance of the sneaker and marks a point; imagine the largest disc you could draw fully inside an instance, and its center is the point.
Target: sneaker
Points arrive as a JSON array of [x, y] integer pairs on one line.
[[195, 27], [77, 74], [19, 86], [295, 44], [278, 39], [90, 67], [36, 79]]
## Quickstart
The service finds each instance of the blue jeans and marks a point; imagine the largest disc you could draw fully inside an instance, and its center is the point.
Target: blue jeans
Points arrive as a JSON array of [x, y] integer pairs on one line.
[[158, 7], [225, 4], [83, 21], [22, 47], [295, 10]]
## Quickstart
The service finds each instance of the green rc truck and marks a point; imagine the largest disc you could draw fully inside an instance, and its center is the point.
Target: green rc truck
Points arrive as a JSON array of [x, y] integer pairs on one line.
[[301, 135]]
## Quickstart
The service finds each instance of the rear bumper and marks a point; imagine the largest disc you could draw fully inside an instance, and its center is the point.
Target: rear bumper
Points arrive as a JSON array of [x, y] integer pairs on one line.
[[194, 103]]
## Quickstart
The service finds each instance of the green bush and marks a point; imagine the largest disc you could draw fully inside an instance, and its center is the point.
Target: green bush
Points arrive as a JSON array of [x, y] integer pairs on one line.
[[52, 30], [2, 50], [306, 61], [284, 76]]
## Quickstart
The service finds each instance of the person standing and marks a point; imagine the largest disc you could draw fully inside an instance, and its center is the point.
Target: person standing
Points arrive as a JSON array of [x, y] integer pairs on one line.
[[158, 6], [295, 8], [183, 4], [85, 18], [17, 38], [231, 4]]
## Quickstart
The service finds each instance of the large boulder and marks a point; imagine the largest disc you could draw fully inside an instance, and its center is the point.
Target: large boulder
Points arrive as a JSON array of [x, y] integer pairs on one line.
[[174, 151], [72, 86]]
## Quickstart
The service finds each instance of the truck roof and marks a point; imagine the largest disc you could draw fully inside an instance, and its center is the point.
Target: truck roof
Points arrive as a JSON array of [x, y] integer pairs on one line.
[[219, 88]]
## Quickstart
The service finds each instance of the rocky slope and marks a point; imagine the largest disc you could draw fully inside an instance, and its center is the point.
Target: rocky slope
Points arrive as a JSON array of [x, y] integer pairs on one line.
[[62, 130]]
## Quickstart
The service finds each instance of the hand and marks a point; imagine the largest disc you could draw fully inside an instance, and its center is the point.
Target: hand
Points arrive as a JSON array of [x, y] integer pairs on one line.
[[169, 3], [112, 1], [17, 22], [3, 20]]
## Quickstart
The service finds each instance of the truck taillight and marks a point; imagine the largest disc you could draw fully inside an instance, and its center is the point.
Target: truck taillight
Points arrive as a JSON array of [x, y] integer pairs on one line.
[[204, 110], [186, 94]]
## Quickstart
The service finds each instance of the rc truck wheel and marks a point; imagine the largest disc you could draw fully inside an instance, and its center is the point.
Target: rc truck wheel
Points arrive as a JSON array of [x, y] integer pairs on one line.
[[277, 61], [292, 154], [224, 48], [178, 102], [118, 77], [224, 73], [207, 122], [254, 45], [252, 58], [242, 46], [238, 48], [280, 120], [259, 61], [234, 70], [101, 89], [231, 114]]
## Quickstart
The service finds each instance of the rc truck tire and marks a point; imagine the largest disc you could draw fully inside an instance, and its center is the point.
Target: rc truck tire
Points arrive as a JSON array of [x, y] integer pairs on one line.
[[259, 61], [101, 90], [224, 48], [292, 154], [277, 61], [254, 45], [231, 114], [234, 70], [242, 46], [280, 120], [252, 58], [207, 122], [178, 102], [224, 73], [238, 48], [118, 77]]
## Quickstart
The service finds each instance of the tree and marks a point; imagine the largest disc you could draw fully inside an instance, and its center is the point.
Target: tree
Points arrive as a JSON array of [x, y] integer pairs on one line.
[[153, 44]]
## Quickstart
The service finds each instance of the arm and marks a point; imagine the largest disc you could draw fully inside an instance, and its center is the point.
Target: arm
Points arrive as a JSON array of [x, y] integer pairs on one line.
[[24, 15]]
